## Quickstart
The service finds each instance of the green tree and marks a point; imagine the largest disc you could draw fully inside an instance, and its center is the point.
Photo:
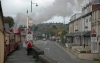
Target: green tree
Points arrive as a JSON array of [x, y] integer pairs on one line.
[[62, 36], [9, 20], [36, 28], [22, 28], [54, 27]]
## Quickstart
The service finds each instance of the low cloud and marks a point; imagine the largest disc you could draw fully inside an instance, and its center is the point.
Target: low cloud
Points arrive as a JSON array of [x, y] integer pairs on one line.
[[63, 8]]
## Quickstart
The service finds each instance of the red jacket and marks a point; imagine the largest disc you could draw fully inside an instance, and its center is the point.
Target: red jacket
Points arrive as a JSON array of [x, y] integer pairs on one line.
[[29, 45]]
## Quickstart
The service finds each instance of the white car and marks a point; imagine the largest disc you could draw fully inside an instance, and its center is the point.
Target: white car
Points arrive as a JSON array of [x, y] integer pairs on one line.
[[44, 39]]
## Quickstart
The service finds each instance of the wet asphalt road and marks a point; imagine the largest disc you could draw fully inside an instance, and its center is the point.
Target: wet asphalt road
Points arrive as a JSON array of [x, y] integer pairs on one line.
[[53, 51]]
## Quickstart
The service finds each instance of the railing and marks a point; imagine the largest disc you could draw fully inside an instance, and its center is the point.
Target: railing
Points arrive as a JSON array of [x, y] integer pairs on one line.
[[40, 57], [36, 52]]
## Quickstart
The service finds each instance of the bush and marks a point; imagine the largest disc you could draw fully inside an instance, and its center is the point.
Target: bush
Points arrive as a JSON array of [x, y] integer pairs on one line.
[[94, 59], [82, 51], [89, 51]]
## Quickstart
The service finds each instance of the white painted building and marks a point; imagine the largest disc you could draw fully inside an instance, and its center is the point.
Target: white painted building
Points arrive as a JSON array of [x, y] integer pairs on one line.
[[75, 16]]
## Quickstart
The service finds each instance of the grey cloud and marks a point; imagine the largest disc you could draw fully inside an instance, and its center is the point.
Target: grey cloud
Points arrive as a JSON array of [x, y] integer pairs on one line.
[[64, 8], [58, 8]]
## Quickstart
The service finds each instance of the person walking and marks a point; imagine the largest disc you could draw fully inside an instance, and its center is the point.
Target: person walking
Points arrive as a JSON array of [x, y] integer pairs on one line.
[[25, 40], [29, 47]]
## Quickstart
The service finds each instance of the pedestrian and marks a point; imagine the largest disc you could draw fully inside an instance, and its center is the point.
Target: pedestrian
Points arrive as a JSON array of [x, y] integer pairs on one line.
[[25, 40], [29, 47]]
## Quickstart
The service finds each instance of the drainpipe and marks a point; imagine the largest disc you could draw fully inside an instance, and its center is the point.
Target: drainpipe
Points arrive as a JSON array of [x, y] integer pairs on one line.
[[83, 36], [81, 29]]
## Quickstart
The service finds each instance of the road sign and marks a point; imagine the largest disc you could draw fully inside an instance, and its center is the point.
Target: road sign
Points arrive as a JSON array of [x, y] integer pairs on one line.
[[93, 39], [93, 32], [29, 37]]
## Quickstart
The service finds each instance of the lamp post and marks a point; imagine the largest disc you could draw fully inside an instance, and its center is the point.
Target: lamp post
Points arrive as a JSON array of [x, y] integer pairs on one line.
[[33, 3], [27, 19], [27, 22], [64, 23]]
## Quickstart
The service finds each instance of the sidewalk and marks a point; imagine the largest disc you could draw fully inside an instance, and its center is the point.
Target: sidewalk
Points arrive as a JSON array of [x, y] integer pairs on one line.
[[19, 56], [74, 57]]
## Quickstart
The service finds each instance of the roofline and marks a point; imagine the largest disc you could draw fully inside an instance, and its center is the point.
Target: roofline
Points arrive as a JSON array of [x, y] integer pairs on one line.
[[96, 9], [90, 13]]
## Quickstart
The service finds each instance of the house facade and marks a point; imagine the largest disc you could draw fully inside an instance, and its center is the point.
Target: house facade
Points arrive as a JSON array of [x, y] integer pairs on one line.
[[71, 27], [1, 36], [95, 46], [80, 29]]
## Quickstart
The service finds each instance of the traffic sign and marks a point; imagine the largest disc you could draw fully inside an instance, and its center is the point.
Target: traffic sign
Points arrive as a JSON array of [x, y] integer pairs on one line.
[[93, 34], [93, 39]]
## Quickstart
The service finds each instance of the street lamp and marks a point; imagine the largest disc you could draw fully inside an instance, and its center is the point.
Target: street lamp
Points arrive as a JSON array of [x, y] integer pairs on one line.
[[33, 3]]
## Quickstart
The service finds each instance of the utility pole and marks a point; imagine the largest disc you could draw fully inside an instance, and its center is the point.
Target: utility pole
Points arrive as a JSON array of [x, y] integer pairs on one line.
[[64, 23], [64, 29], [27, 19]]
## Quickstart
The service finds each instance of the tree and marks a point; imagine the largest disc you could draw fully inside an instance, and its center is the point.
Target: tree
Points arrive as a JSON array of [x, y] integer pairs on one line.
[[22, 28], [9, 20], [54, 27], [62, 36], [36, 28]]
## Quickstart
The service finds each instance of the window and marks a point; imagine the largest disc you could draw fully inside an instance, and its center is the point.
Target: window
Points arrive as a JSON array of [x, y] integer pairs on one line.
[[90, 19], [98, 22], [99, 14], [86, 20], [93, 24], [11, 38], [95, 15], [92, 16], [86, 27]]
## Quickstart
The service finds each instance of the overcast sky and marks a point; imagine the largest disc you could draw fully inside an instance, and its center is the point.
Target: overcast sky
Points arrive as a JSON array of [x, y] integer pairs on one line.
[[47, 10]]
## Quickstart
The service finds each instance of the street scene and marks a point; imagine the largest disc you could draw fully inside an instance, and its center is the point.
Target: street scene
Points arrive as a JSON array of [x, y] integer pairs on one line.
[[54, 51], [50, 31]]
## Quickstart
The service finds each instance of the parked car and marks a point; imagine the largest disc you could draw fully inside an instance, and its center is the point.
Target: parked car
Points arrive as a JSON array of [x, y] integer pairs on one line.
[[35, 39], [53, 39], [44, 39]]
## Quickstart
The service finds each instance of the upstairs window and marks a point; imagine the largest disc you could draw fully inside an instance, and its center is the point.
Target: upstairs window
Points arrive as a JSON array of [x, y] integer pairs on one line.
[[86, 20], [99, 14]]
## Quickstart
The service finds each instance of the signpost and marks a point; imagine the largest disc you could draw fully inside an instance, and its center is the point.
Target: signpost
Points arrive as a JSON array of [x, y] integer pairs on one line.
[[94, 42], [93, 39], [93, 36]]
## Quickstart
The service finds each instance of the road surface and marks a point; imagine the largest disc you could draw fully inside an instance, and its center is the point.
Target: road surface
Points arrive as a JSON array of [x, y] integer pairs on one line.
[[52, 50]]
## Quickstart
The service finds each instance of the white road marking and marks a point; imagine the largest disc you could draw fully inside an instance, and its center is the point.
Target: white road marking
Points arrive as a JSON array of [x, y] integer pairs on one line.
[[45, 43], [47, 48]]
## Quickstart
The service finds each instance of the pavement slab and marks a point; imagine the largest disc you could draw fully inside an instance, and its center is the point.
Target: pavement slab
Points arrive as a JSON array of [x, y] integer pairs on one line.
[[20, 56], [74, 57]]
